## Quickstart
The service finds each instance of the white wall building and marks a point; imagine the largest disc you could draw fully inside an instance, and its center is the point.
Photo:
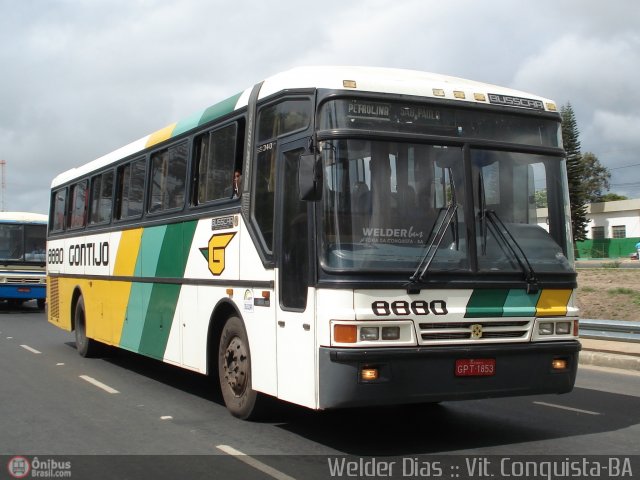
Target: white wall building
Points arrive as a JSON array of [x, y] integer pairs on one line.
[[619, 219]]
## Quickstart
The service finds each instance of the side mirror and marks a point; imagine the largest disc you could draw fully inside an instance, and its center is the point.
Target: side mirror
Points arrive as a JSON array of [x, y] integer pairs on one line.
[[309, 178]]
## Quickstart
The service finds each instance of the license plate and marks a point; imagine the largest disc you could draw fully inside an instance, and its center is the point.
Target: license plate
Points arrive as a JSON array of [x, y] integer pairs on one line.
[[475, 367]]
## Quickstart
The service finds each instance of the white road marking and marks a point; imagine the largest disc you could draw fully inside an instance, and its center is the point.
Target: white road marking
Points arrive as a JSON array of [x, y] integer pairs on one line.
[[166, 417], [59, 364], [252, 462], [32, 350], [562, 407], [99, 384]]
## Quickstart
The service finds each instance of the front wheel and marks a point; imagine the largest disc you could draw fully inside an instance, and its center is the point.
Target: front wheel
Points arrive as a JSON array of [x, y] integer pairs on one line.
[[87, 347], [234, 371]]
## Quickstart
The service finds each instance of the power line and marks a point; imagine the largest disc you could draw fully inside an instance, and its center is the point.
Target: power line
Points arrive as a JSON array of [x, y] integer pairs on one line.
[[626, 166]]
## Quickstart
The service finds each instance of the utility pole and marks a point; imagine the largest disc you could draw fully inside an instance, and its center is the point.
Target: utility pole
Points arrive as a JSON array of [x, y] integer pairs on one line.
[[4, 183]]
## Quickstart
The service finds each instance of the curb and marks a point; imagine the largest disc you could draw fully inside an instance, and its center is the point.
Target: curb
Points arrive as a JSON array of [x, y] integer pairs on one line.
[[611, 360]]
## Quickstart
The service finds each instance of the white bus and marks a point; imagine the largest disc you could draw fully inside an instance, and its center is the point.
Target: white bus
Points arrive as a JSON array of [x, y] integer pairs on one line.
[[382, 247], [23, 238]]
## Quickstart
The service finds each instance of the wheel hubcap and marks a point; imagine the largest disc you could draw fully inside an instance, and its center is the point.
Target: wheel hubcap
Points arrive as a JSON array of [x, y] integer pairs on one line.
[[235, 366]]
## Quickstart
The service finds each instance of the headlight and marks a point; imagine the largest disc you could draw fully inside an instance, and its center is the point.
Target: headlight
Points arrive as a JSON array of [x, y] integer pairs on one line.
[[545, 328]]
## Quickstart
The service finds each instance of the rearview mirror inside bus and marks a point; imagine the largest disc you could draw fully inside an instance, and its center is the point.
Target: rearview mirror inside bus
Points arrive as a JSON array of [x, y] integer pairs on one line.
[[309, 178]]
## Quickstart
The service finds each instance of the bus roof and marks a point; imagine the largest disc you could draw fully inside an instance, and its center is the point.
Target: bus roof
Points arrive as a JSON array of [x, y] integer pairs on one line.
[[23, 217], [364, 79]]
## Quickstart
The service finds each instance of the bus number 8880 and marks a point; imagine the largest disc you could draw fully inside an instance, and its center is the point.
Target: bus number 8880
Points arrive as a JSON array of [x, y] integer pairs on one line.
[[382, 308]]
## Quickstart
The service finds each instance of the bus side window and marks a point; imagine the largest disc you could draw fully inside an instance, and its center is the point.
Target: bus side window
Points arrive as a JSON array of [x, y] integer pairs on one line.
[[101, 198], [130, 194], [215, 161], [274, 121], [168, 178], [78, 207], [58, 210]]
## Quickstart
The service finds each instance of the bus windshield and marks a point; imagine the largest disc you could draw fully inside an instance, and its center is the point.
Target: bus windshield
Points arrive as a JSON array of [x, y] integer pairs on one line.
[[385, 204], [22, 243]]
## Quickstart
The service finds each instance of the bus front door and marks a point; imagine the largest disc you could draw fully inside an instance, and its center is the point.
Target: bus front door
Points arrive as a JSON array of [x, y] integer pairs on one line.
[[296, 301]]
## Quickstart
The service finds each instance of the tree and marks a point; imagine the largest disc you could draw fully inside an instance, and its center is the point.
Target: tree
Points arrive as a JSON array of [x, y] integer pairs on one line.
[[541, 198], [596, 177], [575, 172], [612, 197]]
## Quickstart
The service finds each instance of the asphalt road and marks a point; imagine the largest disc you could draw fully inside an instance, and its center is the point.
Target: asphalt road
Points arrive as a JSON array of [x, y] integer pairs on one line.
[[167, 421]]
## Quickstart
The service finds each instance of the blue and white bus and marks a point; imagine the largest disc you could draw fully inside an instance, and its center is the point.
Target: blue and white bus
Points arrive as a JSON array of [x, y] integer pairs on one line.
[[22, 257]]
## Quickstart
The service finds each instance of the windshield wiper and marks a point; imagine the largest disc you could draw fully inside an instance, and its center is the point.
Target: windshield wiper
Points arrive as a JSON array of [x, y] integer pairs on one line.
[[509, 240], [436, 239]]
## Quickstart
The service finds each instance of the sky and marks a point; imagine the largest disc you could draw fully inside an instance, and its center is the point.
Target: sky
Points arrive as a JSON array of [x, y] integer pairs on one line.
[[80, 78]]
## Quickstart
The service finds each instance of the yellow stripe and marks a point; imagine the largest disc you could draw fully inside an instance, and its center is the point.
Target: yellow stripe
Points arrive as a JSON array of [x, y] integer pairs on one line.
[[127, 252], [161, 135], [116, 294], [553, 303]]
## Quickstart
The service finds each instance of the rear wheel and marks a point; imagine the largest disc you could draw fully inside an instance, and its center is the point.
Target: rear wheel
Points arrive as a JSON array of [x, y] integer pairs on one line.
[[234, 371], [87, 347]]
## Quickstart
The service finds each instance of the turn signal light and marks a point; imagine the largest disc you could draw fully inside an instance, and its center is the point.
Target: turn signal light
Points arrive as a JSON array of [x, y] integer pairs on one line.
[[345, 333]]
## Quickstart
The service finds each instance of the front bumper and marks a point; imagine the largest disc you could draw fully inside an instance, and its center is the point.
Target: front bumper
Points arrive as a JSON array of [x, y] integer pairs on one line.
[[427, 374]]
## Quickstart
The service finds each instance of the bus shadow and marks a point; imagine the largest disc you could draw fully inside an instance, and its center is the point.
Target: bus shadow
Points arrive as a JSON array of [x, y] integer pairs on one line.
[[170, 375], [456, 426], [7, 306], [493, 424]]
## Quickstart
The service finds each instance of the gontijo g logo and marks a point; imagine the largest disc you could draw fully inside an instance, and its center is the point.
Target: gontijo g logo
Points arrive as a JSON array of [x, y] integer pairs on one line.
[[214, 253]]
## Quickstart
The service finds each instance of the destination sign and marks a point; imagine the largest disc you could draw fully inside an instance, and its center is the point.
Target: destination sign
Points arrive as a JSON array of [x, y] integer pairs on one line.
[[369, 110], [397, 113]]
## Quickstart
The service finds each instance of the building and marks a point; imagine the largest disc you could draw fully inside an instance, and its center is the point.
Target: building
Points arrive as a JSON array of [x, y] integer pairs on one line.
[[613, 229]]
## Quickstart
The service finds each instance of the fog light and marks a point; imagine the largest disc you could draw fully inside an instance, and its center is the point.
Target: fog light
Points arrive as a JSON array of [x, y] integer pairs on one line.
[[369, 333], [390, 333], [545, 328], [368, 373], [559, 364], [563, 328]]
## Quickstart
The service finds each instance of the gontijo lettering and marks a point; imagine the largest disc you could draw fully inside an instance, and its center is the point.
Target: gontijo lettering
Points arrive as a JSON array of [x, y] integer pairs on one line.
[[89, 254]]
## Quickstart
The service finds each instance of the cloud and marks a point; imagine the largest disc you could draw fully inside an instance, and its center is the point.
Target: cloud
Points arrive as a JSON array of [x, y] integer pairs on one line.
[[82, 78]]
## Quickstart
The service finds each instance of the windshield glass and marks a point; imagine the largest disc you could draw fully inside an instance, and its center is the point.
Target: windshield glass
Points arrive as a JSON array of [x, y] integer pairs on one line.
[[508, 188], [384, 203], [389, 205], [22, 243]]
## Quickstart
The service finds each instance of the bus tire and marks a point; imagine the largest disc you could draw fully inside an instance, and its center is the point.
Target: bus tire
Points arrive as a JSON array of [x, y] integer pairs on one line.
[[234, 371], [40, 303], [87, 347]]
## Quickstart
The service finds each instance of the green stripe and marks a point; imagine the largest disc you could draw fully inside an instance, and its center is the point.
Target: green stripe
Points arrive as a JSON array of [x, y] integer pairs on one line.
[[172, 259], [486, 303], [159, 317], [134, 321], [521, 304], [187, 124], [163, 252], [220, 109]]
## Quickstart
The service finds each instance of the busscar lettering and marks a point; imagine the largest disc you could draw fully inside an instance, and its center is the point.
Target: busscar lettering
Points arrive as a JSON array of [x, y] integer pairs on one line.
[[89, 254], [516, 101]]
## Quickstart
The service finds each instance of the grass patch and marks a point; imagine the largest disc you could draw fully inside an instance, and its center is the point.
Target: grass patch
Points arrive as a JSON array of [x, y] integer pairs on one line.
[[621, 291], [587, 289], [611, 265]]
